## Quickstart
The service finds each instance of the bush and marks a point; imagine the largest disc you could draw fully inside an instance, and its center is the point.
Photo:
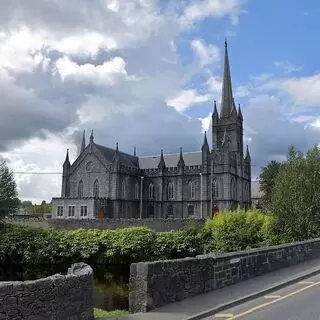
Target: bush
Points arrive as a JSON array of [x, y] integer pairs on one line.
[[55, 250], [34, 247], [240, 230]]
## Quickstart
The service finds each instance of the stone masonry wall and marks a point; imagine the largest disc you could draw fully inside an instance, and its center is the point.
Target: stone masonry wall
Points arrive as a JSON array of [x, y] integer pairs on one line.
[[154, 224], [154, 284], [59, 297]]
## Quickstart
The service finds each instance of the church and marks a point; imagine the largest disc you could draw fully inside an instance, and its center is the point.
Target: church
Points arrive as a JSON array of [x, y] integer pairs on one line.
[[107, 183]]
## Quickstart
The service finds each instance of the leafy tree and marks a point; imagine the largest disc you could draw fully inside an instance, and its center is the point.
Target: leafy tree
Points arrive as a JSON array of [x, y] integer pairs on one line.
[[267, 180], [26, 203], [9, 201], [295, 199]]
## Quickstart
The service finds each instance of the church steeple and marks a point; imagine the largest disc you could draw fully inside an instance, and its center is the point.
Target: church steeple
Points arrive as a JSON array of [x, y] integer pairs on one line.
[[227, 96], [83, 144]]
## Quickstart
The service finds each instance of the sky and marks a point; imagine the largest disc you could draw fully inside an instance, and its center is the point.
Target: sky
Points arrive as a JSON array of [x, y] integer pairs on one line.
[[145, 73]]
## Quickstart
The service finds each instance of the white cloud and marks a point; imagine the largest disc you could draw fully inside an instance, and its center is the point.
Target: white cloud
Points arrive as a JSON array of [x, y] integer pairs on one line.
[[287, 66], [207, 54], [304, 91], [187, 98], [106, 74], [197, 11]]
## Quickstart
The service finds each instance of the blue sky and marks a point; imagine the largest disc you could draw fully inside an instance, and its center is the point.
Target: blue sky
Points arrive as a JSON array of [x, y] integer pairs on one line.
[[146, 72]]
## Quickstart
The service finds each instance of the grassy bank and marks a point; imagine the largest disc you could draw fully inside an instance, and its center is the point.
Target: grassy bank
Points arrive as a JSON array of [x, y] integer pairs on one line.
[[99, 313]]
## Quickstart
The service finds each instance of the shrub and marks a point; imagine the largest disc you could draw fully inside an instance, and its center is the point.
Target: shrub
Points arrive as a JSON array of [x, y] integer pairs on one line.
[[240, 230]]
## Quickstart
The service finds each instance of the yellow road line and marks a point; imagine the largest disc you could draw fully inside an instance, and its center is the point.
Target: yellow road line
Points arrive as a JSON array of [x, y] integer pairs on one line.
[[224, 315], [272, 297], [306, 282], [237, 316]]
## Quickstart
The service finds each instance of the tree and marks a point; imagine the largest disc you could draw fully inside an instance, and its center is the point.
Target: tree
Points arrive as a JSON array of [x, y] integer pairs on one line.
[[26, 203], [267, 180], [9, 201], [295, 199]]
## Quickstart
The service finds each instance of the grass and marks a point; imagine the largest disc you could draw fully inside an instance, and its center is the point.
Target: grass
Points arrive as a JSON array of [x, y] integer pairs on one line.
[[100, 313]]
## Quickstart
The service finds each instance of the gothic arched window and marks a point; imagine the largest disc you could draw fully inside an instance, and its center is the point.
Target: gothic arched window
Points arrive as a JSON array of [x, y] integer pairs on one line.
[[190, 211], [96, 189], [170, 190], [123, 189], [191, 190], [151, 191], [136, 191], [80, 189], [215, 189]]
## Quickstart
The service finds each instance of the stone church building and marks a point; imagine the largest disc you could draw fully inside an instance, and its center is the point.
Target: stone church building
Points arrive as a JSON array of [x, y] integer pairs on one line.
[[105, 182]]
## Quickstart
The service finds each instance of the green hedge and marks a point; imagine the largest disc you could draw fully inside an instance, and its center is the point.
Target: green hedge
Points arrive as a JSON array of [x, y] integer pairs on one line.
[[240, 230], [114, 250]]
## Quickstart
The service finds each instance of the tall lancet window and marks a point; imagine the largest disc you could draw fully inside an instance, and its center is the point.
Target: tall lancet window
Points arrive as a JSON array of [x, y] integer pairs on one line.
[[151, 191], [123, 189], [80, 189], [96, 189], [215, 190], [136, 190], [191, 190], [170, 191]]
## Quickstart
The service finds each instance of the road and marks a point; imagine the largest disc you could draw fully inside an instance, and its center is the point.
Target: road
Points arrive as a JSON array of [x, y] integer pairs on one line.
[[300, 301]]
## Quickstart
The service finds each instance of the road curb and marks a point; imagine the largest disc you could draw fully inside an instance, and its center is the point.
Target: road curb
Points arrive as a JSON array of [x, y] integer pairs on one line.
[[249, 297]]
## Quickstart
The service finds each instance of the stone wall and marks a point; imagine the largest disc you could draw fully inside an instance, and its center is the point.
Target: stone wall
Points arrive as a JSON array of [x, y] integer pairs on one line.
[[59, 297], [153, 284], [154, 224]]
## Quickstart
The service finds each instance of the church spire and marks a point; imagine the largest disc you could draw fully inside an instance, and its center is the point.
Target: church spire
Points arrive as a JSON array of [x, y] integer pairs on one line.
[[226, 97], [83, 144]]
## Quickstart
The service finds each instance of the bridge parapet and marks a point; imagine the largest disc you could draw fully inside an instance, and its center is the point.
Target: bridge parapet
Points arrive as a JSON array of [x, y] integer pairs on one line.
[[154, 284]]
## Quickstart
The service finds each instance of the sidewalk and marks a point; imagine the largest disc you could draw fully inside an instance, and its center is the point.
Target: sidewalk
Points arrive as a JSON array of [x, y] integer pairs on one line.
[[191, 307]]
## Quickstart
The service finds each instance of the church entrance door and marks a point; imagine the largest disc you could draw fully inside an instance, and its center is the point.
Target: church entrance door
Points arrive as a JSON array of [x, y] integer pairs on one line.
[[129, 211], [101, 213]]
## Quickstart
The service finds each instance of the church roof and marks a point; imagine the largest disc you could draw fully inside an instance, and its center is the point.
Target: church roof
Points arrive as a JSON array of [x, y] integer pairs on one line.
[[125, 158], [171, 160]]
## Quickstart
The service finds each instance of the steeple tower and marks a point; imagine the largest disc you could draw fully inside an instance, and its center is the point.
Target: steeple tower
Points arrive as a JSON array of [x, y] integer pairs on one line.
[[227, 96], [83, 144]]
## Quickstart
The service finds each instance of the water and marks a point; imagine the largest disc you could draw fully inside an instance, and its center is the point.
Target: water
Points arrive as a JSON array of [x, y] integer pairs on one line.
[[110, 292]]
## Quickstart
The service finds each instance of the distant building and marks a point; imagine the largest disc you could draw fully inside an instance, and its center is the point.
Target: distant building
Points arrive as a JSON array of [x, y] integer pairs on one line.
[[105, 182], [256, 194]]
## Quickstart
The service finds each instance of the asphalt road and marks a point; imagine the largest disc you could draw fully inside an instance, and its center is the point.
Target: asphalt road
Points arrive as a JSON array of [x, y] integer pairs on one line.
[[300, 301]]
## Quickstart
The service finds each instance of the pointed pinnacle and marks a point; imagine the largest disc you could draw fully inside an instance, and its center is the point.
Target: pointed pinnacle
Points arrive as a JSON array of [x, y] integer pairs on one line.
[[247, 154], [91, 136], [239, 112], [67, 157]]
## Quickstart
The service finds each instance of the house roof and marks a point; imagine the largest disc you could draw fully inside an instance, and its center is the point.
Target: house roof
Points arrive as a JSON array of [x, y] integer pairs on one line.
[[125, 158], [171, 160]]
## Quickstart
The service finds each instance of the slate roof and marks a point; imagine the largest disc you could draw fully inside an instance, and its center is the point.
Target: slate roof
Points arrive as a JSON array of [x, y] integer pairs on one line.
[[171, 160], [125, 158]]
